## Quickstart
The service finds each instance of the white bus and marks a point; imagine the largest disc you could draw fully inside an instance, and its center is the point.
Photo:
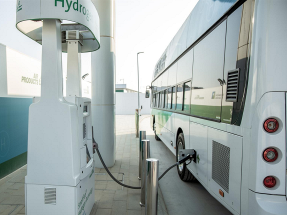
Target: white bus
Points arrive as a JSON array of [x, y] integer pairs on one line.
[[220, 88]]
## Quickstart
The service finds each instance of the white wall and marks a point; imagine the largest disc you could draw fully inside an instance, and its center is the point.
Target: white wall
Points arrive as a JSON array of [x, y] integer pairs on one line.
[[13, 38], [20, 75], [3, 72], [127, 103]]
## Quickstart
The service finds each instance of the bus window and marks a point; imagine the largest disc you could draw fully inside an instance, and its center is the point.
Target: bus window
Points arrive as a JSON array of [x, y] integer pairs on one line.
[[165, 99], [169, 97], [179, 97], [207, 74], [154, 100], [162, 99], [186, 102], [173, 97], [158, 100]]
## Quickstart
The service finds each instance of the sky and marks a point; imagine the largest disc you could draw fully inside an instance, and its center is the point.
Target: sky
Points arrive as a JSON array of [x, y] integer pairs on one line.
[[141, 26]]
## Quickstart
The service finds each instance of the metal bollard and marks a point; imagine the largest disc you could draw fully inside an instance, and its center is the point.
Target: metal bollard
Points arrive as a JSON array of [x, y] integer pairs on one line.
[[145, 155], [142, 137], [151, 186]]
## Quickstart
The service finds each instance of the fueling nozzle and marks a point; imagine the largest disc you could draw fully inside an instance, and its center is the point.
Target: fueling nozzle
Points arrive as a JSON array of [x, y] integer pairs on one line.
[[187, 154]]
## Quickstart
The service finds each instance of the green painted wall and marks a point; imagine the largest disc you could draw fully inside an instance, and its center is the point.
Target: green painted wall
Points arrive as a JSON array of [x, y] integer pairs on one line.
[[13, 164], [13, 133]]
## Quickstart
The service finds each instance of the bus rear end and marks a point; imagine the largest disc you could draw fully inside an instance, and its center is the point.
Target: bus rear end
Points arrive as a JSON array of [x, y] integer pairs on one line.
[[265, 111]]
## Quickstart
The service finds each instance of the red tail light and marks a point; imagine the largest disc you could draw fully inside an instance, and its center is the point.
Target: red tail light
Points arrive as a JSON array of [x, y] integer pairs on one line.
[[269, 181], [271, 125], [270, 155]]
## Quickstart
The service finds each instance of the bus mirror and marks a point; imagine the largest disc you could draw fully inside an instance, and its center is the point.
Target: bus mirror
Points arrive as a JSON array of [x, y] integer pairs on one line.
[[147, 93]]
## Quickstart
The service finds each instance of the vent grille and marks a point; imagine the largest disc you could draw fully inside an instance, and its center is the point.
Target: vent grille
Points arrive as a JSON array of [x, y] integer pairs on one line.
[[84, 130], [232, 86], [50, 196], [220, 164]]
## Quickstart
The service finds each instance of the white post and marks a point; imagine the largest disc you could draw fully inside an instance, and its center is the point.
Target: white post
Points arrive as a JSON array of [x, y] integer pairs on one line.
[[52, 78], [138, 120], [103, 84], [74, 78]]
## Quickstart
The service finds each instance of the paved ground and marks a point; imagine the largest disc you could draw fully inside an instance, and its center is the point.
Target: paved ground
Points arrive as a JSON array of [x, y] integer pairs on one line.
[[175, 196], [111, 198]]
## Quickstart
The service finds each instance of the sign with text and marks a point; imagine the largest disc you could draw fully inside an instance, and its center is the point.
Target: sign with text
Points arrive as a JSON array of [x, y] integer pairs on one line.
[[23, 74], [31, 13]]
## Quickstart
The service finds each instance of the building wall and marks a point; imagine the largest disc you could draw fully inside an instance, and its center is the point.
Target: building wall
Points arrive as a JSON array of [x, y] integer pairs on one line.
[[14, 108], [127, 103], [13, 133]]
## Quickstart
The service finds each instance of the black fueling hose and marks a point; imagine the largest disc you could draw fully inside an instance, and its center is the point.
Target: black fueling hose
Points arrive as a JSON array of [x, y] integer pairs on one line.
[[160, 177], [108, 171], [128, 186]]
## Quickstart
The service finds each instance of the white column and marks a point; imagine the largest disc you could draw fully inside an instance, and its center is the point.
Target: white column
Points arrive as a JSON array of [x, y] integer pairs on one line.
[[103, 85], [74, 79], [52, 77]]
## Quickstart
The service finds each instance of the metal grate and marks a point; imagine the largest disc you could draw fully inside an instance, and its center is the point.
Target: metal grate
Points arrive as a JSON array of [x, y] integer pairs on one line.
[[84, 130], [220, 164], [50, 196], [232, 86]]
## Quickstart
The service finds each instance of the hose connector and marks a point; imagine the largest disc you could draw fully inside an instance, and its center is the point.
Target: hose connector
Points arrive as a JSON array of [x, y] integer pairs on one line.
[[187, 154]]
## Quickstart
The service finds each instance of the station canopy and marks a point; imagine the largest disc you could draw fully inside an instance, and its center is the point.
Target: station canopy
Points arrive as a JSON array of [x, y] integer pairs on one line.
[[78, 15]]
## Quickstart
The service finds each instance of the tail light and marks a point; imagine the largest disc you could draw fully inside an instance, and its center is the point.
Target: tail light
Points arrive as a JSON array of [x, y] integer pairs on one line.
[[271, 125], [270, 154], [269, 181]]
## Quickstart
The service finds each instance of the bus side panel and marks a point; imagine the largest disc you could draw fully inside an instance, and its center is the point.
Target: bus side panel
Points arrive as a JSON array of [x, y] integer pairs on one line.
[[224, 166], [166, 135], [198, 142], [182, 121]]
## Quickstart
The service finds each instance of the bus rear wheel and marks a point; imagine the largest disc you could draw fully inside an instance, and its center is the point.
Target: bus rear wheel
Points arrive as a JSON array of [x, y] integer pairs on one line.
[[182, 170]]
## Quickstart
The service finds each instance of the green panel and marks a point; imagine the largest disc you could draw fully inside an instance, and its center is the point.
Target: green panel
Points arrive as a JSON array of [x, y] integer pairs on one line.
[[13, 164], [206, 111], [226, 114], [119, 91], [161, 117]]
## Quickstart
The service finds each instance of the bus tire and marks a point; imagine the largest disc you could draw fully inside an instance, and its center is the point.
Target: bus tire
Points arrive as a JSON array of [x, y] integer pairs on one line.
[[183, 173], [155, 136]]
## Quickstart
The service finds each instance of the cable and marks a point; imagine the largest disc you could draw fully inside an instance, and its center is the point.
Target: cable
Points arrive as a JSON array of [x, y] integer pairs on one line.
[[110, 174], [124, 185], [128, 186], [160, 177]]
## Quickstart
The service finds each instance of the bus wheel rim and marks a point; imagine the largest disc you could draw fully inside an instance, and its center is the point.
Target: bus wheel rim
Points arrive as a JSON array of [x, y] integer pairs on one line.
[[180, 146]]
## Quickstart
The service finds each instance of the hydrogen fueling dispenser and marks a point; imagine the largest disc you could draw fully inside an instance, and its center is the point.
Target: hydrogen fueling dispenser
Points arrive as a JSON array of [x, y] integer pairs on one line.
[[60, 171]]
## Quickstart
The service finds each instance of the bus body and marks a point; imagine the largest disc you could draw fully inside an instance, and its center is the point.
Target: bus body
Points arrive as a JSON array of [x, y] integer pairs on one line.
[[215, 89]]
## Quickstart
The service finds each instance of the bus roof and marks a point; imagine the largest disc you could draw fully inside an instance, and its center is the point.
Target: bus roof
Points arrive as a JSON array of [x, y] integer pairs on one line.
[[204, 15]]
